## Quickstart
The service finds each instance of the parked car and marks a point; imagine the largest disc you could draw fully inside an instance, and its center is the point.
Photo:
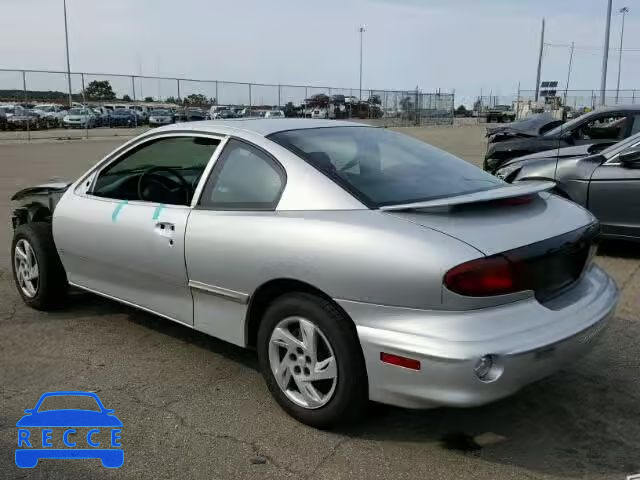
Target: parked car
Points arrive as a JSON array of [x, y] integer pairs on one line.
[[10, 110], [142, 112], [274, 114], [194, 114], [501, 114], [607, 182], [53, 114], [360, 263], [605, 125], [26, 120], [160, 117], [79, 118], [3, 120], [103, 116], [225, 114], [122, 117], [531, 126]]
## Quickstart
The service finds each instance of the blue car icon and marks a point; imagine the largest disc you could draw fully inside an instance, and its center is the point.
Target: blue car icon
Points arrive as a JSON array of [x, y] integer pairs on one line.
[[33, 446]]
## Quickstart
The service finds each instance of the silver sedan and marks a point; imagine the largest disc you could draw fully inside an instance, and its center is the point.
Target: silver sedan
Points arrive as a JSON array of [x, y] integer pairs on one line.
[[360, 263]]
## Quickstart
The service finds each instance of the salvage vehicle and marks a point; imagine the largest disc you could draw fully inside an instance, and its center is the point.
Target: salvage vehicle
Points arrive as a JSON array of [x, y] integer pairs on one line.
[[606, 125], [123, 118], [79, 118], [606, 181], [360, 263], [26, 120], [531, 126], [53, 114], [160, 117], [501, 114]]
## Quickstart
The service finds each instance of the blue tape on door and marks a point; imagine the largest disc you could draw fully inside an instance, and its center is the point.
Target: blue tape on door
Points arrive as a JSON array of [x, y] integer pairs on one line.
[[116, 211], [156, 212]]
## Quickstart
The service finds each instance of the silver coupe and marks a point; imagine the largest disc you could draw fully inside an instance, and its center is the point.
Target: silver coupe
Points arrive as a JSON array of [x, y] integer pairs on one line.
[[360, 263]]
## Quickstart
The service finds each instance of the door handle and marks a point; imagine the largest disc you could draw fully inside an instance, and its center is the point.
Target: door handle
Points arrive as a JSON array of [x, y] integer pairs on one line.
[[165, 229]]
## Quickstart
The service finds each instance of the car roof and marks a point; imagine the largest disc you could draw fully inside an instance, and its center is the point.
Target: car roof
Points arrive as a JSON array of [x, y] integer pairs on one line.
[[262, 126]]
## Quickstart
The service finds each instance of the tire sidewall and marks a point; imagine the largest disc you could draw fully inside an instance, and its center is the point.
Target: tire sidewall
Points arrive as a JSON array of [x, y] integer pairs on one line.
[[52, 281], [351, 388]]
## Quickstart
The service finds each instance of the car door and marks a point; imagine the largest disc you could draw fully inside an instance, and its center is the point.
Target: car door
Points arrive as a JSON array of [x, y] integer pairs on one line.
[[237, 202], [121, 232], [614, 198]]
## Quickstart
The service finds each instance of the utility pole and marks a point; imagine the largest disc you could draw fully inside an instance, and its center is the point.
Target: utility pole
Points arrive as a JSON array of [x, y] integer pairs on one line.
[[66, 39], [363, 29], [605, 55], [623, 11], [540, 61], [568, 73]]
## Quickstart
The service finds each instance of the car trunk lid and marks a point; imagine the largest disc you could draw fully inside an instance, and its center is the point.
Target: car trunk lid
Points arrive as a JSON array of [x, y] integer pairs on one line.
[[547, 240]]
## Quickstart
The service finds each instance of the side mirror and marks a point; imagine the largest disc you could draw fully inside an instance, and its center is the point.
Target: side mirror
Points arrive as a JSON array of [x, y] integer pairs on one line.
[[630, 158]]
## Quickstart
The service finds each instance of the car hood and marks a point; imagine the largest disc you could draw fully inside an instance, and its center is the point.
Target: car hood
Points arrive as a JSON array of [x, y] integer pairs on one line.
[[69, 418], [55, 185], [493, 228]]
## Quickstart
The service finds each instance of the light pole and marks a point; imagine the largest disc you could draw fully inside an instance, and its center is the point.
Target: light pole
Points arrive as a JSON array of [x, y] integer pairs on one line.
[[623, 11], [363, 29], [605, 55], [66, 39]]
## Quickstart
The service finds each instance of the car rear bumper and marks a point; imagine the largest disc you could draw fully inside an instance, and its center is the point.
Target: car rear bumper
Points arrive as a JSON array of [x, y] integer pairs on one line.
[[527, 341]]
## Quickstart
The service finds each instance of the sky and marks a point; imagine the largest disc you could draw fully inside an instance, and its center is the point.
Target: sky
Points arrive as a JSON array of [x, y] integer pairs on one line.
[[464, 45]]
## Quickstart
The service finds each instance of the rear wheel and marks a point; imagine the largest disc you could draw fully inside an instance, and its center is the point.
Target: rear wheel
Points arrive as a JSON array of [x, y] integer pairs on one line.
[[312, 361], [37, 270]]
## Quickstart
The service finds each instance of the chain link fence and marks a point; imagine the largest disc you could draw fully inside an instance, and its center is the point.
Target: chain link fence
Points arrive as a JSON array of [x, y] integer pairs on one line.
[[45, 104], [569, 103]]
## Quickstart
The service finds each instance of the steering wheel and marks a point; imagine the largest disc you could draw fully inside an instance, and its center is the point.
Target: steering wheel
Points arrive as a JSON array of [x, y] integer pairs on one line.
[[173, 188]]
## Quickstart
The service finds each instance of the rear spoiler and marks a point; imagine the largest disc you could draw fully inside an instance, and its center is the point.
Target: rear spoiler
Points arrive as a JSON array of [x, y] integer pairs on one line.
[[521, 189]]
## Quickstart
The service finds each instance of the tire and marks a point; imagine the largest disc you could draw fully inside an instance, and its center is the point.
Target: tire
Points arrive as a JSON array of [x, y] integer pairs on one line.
[[345, 396], [50, 287]]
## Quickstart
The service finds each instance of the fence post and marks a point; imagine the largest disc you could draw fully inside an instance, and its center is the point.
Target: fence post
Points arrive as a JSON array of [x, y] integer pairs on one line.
[[250, 97], [178, 82], [633, 97], [84, 102], [133, 88], [518, 103], [217, 99], [24, 85], [279, 89]]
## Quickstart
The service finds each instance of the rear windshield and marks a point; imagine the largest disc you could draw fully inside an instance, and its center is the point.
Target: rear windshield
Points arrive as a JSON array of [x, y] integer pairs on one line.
[[381, 167]]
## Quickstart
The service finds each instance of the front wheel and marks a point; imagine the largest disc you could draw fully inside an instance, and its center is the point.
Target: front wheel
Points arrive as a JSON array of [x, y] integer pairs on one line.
[[312, 361], [37, 270]]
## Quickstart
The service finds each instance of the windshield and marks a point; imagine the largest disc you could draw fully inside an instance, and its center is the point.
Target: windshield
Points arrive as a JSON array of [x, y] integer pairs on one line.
[[67, 402], [46, 108], [160, 112], [382, 167], [77, 111]]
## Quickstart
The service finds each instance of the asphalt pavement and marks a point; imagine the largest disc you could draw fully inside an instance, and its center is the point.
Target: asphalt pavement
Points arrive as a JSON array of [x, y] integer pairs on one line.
[[196, 407]]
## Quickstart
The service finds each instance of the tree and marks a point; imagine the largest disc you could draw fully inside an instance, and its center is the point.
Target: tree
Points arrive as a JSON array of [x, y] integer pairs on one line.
[[172, 100], [126, 98], [99, 90], [375, 100], [149, 99], [461, 111], [195, 99]]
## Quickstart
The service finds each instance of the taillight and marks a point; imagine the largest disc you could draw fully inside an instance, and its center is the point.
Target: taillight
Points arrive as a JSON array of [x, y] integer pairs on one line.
[[484, 277]]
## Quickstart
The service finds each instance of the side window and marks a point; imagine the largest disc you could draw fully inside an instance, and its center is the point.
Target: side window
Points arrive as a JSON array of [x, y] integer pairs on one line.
[[635, 128], [603, 128], [166, 170], [244, 178]]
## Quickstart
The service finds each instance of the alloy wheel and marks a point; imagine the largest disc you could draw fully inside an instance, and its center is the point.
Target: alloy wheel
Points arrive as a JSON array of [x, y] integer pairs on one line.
[[303, 363], [26, 268]]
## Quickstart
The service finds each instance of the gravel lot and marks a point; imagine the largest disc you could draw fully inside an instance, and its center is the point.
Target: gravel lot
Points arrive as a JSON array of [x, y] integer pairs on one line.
[[195, 407]]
